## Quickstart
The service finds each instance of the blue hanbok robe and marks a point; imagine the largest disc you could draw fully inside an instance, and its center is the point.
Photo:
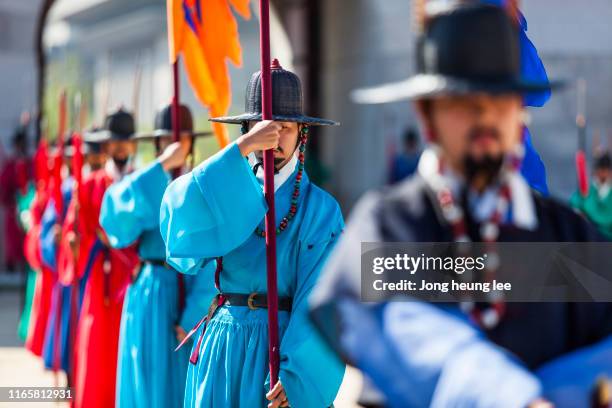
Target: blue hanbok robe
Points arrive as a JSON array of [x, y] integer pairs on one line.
[[149, 372], [56, 355], [212, 212]]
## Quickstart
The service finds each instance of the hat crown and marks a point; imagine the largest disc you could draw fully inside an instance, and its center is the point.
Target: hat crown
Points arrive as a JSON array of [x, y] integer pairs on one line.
[[603, 161], [286, 92], [164, 119], [474, 41], [120, 124]]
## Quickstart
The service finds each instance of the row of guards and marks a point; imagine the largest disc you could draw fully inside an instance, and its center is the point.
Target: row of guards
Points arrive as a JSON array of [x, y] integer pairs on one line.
[[106, 240], [93, 235]]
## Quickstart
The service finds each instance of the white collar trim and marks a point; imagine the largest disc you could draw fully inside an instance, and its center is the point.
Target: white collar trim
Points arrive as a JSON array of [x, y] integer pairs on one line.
[[523, 206], [283, 174]]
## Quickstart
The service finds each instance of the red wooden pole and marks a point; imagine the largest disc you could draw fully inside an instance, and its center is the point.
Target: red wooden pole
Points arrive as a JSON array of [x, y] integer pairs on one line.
[[266, 105], [176, 102], [176, 136]]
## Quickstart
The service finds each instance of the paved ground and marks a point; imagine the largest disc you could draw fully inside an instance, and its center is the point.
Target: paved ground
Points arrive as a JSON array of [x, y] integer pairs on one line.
[[19, 368]]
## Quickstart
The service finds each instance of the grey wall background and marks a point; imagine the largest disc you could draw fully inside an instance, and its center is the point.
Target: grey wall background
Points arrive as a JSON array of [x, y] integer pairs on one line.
[[17, 74], [370, 41], [363, 42]]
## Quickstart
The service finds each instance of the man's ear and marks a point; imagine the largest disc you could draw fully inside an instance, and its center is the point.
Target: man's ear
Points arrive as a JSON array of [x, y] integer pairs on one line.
[[423, 109]]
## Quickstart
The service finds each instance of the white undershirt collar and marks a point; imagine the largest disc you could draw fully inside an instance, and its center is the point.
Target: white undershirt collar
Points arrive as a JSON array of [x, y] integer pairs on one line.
[[283, 174], [482, 205]]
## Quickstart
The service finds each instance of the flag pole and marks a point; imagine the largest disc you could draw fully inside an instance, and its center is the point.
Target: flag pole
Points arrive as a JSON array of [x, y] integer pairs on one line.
[[266, 104], [176, 102], [176, 137]]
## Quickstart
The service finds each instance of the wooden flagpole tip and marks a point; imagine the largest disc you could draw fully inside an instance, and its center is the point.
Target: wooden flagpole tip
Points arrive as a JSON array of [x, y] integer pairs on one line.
[[275, 64]]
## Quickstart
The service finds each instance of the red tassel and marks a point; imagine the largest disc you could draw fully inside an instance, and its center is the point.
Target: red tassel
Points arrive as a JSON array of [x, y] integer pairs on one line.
[[196, 351], [581, 170]]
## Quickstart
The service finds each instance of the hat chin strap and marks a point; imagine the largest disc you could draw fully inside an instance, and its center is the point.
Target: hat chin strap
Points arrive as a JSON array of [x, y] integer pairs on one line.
[[280, 176]]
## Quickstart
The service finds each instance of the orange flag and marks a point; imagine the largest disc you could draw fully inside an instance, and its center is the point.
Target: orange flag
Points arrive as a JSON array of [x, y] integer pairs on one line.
[[205, 33]]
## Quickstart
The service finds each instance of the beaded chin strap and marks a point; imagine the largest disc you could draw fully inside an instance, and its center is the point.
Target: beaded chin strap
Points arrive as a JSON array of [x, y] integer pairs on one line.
[[486, 314], [302, 139]]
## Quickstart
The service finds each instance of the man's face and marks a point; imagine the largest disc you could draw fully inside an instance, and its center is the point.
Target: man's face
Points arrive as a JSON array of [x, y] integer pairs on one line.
[[286, 145], [120, 151], [603, 175], [21, 148], [474, 132], [67, 161], [96, 160]]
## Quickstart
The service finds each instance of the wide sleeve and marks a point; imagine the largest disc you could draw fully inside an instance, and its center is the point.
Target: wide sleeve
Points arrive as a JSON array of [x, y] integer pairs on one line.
[[415, 353], [48, 244], [131, 206], [210, 211], [569, 380], [310, 372]]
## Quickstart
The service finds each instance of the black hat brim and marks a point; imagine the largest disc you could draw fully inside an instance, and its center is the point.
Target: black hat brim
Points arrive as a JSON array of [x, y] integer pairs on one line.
[[423, 86], [103, 136], [100, 136], [256, 117], [166, 133]]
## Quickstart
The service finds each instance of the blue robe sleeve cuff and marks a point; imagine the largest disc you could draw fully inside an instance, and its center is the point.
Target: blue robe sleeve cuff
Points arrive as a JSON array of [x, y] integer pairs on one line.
[[211, 211], [131, 206]]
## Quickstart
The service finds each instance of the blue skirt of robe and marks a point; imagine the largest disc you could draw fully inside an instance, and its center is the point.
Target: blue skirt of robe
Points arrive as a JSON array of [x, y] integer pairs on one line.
[[149, 373]]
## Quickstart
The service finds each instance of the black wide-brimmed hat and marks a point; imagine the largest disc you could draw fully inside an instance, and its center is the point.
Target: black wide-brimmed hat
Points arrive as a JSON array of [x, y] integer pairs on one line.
[[603, 161], [163, 124], [117, 126], [286, 100], [467, 47], [67, 146]]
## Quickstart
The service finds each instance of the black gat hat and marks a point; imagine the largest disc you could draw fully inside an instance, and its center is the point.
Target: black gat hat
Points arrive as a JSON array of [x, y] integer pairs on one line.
[[164, 121], [117, 126], [467, 47], [286, 100]]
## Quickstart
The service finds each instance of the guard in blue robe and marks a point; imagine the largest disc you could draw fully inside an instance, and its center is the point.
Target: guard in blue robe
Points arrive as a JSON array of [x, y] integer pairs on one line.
[[211, 222], [56, 351], [159, 304], [424, 355]]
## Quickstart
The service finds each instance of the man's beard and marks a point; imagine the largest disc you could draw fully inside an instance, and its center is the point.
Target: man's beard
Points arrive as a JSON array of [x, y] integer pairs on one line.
[[278, 161], [486, 169], [121, 163]]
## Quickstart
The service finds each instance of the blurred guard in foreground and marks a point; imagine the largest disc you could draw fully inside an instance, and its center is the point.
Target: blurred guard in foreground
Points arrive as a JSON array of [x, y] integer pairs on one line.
[[469, 94], [159, 306], [212, 223]]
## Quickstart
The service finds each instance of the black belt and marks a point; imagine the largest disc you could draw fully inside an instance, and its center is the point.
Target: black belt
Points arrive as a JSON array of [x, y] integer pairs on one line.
[[256, 301]]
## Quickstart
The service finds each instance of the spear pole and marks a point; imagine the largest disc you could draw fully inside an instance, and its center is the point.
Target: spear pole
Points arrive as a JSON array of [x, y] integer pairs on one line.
[[266, 104], [581, 166], [176, 137], [176, 102]]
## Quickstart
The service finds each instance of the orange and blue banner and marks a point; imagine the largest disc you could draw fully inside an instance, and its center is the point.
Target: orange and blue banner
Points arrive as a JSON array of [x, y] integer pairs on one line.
[[205, 34]]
